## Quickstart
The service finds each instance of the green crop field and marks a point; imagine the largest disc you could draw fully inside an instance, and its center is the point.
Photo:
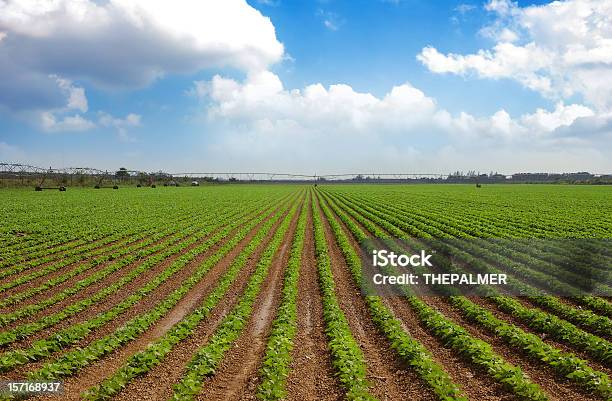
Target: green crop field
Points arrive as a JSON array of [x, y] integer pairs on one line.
[[243, 292]]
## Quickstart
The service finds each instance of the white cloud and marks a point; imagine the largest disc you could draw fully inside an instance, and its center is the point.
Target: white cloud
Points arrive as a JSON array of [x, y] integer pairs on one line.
[[260, 124], [76, 99], [501, 7], [563, 116], [124, 43], [522, 63], [74, 123], [120, 124], [58, 119], [262, 97], [559, 49], [263, 102]]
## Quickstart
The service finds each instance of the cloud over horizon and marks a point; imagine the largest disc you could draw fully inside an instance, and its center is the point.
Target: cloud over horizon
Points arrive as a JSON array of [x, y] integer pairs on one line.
[[54, 55]]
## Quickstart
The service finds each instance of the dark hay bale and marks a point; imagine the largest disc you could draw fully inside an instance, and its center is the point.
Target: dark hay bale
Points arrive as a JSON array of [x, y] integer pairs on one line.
[[97, 187], [37, 188], [138, 186], [115, 187], [153, 186]]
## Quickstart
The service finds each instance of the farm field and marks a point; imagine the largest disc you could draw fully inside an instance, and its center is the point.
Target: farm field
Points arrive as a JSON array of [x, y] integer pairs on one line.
[[246, 292]]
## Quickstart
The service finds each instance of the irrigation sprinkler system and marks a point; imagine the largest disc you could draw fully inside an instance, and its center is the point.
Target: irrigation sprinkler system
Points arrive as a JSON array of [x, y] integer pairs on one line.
[[14, 174]]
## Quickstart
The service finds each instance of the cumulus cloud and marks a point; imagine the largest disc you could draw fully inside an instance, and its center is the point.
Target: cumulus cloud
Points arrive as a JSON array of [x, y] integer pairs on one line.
[[120, 124], [262, 96], [262, 100], [403, 129], [124, 43], [59, 119], [75, 95], [560, 50], [75, 123]]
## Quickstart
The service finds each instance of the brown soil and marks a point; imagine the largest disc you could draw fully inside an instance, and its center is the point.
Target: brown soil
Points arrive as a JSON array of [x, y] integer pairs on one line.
[[50, 292], [475, 383], [57, 258], [143, 305], [157, 382], [389, 377], [312, 376], [236, 377], [557, 388], [491, 306]]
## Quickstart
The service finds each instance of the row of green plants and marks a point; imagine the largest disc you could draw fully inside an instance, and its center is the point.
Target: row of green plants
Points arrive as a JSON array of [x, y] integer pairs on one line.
[[597, 324], [27, 329], [474, 349], [92, 249], [585, 318], [160, 240], [565, 364], [275, 367], [487, 223], [206, 360], [540, 276], [133, 253], [86, 216], [73, 361], [30, 256], [125, 257], [347, 357], [46, 252], [547, 276], [407, 348], [143, 361], [132, 243], [74, 333], [531, 252]]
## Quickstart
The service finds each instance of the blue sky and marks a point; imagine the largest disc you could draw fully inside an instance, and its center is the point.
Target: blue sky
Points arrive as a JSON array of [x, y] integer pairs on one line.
[[327, 86]]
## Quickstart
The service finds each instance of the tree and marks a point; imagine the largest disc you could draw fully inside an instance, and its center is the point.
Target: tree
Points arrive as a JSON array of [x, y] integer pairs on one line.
[[122, 173]]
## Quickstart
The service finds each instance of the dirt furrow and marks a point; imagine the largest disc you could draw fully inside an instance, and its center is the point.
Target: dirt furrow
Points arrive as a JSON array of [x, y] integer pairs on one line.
[[237, 378], [390, 378], [312, 376], [556, 387], [152, 385], [148, 302], [474, 382], [56, 273], [83, 293], [490, 305]]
